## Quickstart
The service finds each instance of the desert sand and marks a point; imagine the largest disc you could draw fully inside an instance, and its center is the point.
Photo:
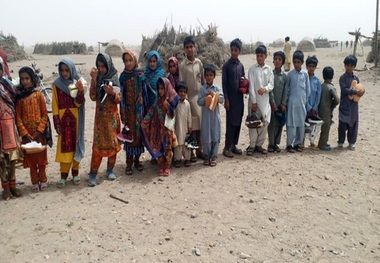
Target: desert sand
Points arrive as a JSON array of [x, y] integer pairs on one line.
[[312, 206]]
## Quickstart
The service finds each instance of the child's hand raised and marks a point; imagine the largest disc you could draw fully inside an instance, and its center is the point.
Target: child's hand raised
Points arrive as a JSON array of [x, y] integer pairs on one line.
[[109, 90], [79, 85], [94, 73]]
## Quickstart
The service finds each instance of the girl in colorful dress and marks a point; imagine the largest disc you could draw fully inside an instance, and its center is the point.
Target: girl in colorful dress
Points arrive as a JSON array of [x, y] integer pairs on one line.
[[158, 137], [132, 108], [9, 142], [69, 119], [173, 68], [153, 71], [105, 91], [32, 120]]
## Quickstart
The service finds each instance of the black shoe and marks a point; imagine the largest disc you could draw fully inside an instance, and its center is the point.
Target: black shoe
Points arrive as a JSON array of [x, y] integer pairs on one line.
[[270, 149], [298, 148], [276, 148], [260, 149], [290, 149], [228, 153], [236, 151]]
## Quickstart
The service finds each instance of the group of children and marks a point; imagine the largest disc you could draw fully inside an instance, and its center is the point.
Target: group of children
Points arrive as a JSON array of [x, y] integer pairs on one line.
[[165, 114]]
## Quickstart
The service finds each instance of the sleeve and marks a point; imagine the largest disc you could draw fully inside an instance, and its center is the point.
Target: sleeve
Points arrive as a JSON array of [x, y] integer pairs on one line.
[[287, 86], [201, 96], [93, 95], [270, 84], [307, 85], [271, 97], [180, 72], [284, 97], [345, 86], [224, 80], [203, 81], [117, 98], [221, 96], [189, 118], [44, 114], [318, 98], [252, 92], [19, 123], [334, 96]]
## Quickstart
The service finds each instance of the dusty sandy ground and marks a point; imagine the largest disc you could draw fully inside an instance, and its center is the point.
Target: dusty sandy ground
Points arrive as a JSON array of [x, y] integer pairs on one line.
[[306, 207]]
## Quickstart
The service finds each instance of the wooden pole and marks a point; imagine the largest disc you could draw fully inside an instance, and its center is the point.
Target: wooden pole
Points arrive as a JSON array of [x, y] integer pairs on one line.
[[377, 34]]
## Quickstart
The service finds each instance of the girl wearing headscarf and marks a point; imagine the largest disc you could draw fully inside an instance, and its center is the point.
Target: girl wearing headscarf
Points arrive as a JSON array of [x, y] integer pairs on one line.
[[173, 71], [69, 119], [132, 108], [105, 91], [9, 138], [157, 138], [6, 72], [32, 120], [153, 71]]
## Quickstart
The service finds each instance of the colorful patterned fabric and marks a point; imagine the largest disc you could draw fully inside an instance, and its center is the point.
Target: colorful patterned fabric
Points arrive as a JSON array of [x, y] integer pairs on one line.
[[152, 76]]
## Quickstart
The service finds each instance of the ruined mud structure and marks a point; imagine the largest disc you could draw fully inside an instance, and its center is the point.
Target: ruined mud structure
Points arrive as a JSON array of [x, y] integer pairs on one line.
[[11, 47]]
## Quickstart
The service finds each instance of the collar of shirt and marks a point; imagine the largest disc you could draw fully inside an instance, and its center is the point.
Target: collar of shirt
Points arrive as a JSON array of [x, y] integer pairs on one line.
[[189, 61], [262, 67]]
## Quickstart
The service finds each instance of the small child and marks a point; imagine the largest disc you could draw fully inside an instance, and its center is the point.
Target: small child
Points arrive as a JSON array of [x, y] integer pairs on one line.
[[183, 124], [329, 100], [261, 79], [157, 134], [9, 138], [191, 72], [312, 104], [298, 87], [173, 71], [232, 72], [277, 99], [68, 118], [32, 120], [132, 109], [348, 109], [105, 91], [209, 97]]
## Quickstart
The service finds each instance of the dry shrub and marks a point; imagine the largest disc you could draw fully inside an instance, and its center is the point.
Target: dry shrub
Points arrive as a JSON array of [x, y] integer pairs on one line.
[[11, 47], [60, 48]]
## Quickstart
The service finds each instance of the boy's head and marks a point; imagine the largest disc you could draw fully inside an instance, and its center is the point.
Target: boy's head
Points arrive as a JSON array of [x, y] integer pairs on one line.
[[287, 39], [350, 63], [328, 73], [189, 46], [261, 54], [181, 88], [278, 59], [311, 64], [209, 72], [235, 48], [298, 57]]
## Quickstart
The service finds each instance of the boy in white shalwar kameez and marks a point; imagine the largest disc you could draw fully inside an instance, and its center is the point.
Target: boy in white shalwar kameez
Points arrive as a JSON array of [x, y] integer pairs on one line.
[[261, 81]]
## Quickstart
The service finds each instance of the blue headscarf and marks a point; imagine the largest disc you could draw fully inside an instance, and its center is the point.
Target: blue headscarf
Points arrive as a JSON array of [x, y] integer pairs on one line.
[[63, 84], [152, 76]]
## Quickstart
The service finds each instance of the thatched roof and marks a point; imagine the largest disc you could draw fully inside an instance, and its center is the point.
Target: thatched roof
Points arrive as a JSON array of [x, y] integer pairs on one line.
[[306, 45], [11, 48], [115, 48]]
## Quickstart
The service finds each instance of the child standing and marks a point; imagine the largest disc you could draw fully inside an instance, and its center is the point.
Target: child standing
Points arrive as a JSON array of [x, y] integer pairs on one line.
[[313, 101], [132, 108], [183, 124], [348, 109], [329, 100], [277, 98], [211, 123], [173, 68], [157, 138], [260, 78], [298, 87], [191, 72], [287, 49], [153, 71], [69, 119], [105, 91], [32, 120], [9, 137], [232, 72]]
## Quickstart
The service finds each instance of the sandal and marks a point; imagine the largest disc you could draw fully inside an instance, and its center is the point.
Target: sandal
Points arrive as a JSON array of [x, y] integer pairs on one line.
[[139, 166], [250, 151], [206, 162], [7, 194], [166, 172], [161, 172], [187, 163], [213, 161], [35, 188], [111, 176], [76, 180], [16, 192], [177, 164], [43, 187], [128, 170], [61, 183]]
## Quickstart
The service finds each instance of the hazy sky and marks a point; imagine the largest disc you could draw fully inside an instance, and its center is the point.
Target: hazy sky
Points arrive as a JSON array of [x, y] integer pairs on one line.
[[91, 21]]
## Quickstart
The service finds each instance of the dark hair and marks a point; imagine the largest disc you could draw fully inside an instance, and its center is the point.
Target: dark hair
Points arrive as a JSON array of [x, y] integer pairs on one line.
[[209, 68], [350, 60], [261, 50], [287, 38], [236, 43], [281, 55], [298, 54], [181, 85], [188, 40], [160, 81], [311, 61], [30, 72], [328, 73]]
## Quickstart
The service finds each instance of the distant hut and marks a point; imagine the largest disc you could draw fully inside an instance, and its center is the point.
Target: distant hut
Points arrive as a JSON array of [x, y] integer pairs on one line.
[[115, 48], [306, 45]]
